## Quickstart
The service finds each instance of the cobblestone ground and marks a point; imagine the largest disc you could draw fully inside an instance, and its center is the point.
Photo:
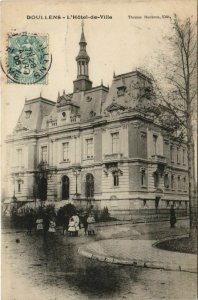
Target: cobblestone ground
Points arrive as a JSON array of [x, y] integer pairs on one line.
[[53, 270]]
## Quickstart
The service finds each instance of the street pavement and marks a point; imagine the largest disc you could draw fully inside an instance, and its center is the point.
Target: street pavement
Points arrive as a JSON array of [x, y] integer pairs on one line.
[[139, 253], [136, 245], [53, 269]]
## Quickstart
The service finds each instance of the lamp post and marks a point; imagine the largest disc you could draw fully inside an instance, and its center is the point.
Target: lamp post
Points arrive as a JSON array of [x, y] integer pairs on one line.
[[76, 172]]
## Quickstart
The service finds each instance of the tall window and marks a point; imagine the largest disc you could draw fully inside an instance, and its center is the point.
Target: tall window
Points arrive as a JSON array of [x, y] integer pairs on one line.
[[171, 153], [166, 181], [179, 183], [89, 186], [143, 177], [115, 142], [156, 179], [115, 179], [178, 156], [155, 144], [89, 148], [44, 153], [65, 188], [66, 152], [19, 157], [184, 183], [183, 156], [19, 187], [172, 182]]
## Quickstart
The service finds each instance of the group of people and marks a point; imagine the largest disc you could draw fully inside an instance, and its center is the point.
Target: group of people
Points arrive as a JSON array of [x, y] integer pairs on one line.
[[46, 223], [73, 224]]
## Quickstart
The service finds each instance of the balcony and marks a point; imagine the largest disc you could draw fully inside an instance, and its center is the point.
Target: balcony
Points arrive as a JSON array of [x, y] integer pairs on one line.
[[113, 157], [43, 165], [160, 159]]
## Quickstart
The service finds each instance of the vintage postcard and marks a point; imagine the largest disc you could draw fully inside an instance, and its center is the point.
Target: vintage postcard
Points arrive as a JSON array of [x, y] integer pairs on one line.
[[99, 143]]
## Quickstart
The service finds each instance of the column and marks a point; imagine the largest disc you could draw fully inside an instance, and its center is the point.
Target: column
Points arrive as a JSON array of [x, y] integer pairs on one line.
[[78, 150], [54, 160], [72, 150], [51, 152]]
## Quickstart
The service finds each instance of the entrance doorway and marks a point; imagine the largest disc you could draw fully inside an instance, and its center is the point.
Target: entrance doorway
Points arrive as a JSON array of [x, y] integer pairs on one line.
[[42, 189]]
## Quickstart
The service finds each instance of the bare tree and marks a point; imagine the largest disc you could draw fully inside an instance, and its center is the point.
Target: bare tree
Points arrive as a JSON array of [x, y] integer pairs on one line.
[[178, 97]]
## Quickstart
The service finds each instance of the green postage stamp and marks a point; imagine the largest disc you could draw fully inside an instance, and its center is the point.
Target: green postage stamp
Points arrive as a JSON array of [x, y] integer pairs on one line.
[[28, 58]]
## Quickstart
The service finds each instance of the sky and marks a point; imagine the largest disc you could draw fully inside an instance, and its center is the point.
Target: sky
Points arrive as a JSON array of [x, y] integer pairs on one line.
[[119, 45]]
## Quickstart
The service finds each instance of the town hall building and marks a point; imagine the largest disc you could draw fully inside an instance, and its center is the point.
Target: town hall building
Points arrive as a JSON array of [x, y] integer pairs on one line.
[[95, 146]]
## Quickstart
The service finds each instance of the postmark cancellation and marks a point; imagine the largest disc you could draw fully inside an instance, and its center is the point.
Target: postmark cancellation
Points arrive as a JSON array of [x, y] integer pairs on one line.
[[28, 58]]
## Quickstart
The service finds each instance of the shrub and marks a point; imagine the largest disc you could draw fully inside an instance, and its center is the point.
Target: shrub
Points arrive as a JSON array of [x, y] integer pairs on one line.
[[105, 215], [68, 209]]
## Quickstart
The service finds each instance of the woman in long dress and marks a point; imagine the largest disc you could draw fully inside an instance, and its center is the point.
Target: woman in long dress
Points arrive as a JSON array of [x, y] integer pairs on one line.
[[91, 225]]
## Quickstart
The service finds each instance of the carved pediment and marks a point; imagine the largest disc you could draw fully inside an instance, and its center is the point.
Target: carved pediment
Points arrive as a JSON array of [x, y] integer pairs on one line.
[[65, 99], [115, 107], [112, 167]]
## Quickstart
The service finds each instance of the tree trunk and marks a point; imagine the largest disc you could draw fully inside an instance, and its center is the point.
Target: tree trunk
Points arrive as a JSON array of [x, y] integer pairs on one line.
[[192, 190]]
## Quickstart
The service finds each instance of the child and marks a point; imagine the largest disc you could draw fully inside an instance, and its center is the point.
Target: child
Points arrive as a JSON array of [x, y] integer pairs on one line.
[[72, 227], [52, 226]]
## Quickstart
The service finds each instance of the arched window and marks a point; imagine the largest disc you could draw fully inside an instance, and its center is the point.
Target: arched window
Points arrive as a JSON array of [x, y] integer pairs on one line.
[[65, 187], [42, 189], [89, 186]]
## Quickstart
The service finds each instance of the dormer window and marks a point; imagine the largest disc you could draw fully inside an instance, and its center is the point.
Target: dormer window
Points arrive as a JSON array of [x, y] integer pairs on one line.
[[28, 113], [147, 91], [64, 114], [121, 90]]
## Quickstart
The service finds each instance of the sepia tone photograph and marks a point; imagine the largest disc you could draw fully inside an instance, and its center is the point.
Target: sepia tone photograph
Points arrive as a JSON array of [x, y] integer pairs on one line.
[[99, 150]]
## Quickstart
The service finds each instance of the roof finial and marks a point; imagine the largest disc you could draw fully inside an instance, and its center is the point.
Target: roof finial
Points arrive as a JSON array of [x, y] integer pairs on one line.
[[63, 92], [82, 39], [82, 24], [101, 82], [40, 94], [114, 74]]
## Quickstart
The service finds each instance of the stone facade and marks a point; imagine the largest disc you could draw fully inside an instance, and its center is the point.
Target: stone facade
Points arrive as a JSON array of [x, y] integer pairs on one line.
[[93, 145]]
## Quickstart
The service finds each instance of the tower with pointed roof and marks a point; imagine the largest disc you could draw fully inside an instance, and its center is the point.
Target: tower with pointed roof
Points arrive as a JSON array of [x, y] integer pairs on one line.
[[82, 83]]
